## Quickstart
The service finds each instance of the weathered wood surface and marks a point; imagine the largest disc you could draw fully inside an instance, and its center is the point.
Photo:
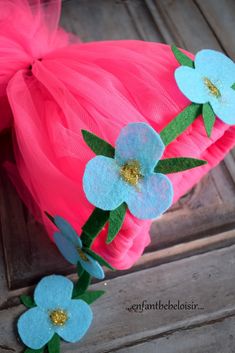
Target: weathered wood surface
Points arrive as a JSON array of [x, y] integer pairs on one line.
[[207, 280], [207, 209], [209, 337], [201, 222]]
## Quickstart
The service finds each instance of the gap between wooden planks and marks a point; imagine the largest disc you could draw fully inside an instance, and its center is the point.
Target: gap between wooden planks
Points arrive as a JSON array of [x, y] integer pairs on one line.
[[148, 260], [207, 279]]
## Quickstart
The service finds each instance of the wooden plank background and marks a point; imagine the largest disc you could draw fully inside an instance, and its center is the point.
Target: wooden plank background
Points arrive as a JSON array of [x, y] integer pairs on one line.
[[191, 256]]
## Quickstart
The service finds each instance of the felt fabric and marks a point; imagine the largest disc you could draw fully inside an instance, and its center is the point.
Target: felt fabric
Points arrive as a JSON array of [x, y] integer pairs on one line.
[[70, 246], [29, 350], [100, 87], [92, 267], [175, 165], [53, 288], [106, 189], [79, 321], [181, 122], [54, 344], [91, 296], [68, 231], [94, 225], [155, 198], [34, 328], [211, 81], [98, 258], [139, 142], [116, 220], [208, 117], [191, 83], [80, 269], [97, 145], [67, 248], [181, 57], [102, 183], [27, 301], [216, 65], [82, 284], [52, 293]]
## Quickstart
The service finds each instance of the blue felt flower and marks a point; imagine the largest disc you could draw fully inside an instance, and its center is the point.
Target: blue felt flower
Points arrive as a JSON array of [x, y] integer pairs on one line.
[[56, 312], [130, 177], [70, 246], [210, 82]]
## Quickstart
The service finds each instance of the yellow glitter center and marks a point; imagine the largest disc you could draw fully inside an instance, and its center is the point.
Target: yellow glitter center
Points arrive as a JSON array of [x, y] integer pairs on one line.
[[58, 317], [130, 172], [82, 255], [212, 88]]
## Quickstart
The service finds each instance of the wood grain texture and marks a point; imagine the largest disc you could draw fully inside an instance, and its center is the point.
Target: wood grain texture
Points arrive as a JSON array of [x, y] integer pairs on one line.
[[207, 280], [215, 336], [106, 20], [221, 19], [185, 22], [191, 256]]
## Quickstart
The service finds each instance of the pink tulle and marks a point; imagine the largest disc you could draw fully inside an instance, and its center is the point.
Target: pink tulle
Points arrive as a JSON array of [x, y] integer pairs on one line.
[[55, 89]]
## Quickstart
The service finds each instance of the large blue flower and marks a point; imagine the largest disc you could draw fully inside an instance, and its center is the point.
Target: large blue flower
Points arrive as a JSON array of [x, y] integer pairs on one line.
[[130, 177], [56, 312], [210, 82], [70, 246]]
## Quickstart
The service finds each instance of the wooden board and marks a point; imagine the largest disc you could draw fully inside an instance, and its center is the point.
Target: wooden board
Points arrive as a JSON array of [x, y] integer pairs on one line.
[[207, 209], [207, 280], [192, 251]]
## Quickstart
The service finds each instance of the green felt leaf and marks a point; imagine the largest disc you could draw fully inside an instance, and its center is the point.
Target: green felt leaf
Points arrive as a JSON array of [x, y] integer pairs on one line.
[[116, 220], [91, 296], [208, 118], [80, 269], [93, 226], [29, 350], [174, 165], [54, 344], [97, 145], [50, 217], [97, 258], [181, 57], [27, 301], [233, 86], [82, 284], [180, 123]]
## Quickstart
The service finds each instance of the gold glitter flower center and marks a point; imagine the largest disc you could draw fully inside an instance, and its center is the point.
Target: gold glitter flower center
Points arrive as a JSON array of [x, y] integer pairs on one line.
[[58, 317], [82, 255], [130, 172], [212, 88]]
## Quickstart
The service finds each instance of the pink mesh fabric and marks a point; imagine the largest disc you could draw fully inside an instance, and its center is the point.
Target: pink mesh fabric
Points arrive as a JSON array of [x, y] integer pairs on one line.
[[100, 87]]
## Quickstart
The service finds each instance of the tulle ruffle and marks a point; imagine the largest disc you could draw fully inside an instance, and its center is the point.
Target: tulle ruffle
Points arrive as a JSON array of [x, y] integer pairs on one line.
[[55, 91]]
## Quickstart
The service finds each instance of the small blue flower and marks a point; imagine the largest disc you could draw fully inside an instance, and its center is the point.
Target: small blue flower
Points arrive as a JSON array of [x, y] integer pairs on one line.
[[70, 246], [130, 177], [210, 82], [56, 312]]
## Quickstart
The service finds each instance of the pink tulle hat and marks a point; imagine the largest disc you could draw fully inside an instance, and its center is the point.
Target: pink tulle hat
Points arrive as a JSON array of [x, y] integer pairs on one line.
[[52, 87]]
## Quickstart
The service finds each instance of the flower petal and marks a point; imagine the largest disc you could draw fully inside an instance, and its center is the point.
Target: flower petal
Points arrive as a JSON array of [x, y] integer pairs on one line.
[[34, 328], [67, 230], [92, 267], [102, 183], [67, 248], [216, 66], [140, 142], [154, 197], [80, 318], [191, 84], [53, 292], [224, 106]]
